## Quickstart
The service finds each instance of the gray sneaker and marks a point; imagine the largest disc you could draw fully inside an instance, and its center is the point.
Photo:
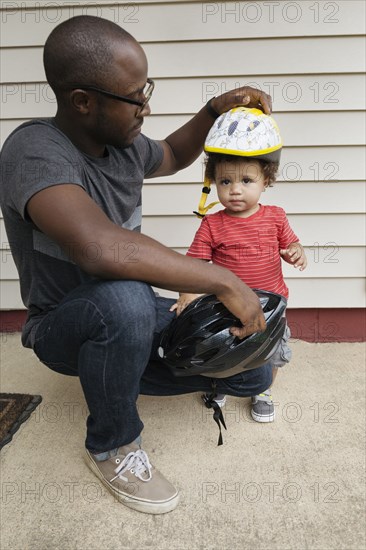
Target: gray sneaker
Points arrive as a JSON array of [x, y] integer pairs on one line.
[[134, 481], [262, 407]]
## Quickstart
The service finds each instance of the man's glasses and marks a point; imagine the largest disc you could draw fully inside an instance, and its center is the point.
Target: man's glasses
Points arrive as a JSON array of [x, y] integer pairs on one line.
[[147, 93]]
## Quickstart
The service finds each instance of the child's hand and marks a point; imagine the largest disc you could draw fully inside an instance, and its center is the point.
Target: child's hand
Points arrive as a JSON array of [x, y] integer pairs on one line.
[[294, 254], [183, 301]]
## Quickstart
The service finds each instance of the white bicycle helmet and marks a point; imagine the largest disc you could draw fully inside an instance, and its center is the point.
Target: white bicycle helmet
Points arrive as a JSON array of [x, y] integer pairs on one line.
[[241, 132], [247, 133]]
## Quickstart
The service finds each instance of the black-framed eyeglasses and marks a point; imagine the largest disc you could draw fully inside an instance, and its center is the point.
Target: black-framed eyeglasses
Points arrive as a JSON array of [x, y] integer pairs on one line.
[[148, 90]]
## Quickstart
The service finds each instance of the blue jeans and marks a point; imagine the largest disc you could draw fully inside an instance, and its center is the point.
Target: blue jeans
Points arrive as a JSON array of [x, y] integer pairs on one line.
[[107, 333]]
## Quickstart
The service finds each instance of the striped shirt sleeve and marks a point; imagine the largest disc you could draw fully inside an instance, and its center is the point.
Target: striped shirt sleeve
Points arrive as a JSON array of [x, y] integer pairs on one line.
[[286, 234], [201, 245]]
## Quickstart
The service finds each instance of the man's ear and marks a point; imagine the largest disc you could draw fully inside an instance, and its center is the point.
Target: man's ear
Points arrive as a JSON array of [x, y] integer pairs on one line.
[[81, 101]]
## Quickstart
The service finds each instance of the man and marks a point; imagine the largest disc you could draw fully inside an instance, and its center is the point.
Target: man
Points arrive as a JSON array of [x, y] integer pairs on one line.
[[71, 199]]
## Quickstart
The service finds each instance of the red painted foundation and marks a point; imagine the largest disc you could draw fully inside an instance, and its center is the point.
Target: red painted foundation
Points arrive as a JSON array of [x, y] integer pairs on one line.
[[328, 325], [12, 321], [311, 325]]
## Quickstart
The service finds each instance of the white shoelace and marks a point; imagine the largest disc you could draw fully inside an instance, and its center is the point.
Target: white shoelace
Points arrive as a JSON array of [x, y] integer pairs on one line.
[[137, 463]]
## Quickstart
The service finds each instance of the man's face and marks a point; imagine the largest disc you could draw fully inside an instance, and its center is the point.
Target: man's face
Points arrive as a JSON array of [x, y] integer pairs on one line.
[[116, 122]]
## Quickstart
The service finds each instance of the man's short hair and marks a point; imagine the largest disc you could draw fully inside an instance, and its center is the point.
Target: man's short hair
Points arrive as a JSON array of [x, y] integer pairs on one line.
[[80, 50]]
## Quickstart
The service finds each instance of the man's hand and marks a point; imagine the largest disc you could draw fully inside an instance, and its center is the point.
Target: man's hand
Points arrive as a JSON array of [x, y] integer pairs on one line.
[[245, 305], [294, 254], [246, 96]]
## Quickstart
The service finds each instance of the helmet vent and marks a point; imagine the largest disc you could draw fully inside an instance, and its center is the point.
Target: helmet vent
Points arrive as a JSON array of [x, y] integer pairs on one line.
[[233, 126], [207, 355]]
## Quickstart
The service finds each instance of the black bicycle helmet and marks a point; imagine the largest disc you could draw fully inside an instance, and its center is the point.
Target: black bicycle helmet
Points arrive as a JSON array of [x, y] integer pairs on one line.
[[199, 340]]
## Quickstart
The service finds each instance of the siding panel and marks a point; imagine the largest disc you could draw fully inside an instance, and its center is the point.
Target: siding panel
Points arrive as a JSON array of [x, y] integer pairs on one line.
[[300, 164], [10, 295], [185, 95], [333, 293], [326, 260], [297, 129], [293, 56], [189, 21], [314, 164], [330, 293], [312, 228], [307, 197]]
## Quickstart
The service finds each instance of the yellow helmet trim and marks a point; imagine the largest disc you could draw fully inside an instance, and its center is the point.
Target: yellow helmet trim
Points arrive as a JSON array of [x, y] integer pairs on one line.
[[260, 153]]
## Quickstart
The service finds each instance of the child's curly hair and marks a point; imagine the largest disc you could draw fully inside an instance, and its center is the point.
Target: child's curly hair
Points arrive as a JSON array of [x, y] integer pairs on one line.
[[269, 168]]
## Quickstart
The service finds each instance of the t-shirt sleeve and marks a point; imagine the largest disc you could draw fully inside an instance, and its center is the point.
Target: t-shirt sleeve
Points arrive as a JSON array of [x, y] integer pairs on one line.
[[34, 158], [152, 154], [286, 234], [201, 246]]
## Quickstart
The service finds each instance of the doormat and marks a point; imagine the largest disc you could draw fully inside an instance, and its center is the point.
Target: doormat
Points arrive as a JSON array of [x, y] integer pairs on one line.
[[15, 408]]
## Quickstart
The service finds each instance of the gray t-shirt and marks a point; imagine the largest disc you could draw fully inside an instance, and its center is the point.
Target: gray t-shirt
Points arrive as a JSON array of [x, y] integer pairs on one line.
[[38, 155]]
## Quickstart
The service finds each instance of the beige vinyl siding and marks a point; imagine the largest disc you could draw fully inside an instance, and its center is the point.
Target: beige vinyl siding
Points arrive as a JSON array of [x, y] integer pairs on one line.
[[296, 94], [174, 59], [194, 21], [308, 55]]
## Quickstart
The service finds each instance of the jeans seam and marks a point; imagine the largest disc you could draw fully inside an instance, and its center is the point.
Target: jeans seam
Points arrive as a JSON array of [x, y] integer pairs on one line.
[[107, 336]]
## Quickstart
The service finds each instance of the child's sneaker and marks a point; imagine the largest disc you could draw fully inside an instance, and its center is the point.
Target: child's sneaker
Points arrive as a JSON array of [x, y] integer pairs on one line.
[[262, 407], [134, 481]]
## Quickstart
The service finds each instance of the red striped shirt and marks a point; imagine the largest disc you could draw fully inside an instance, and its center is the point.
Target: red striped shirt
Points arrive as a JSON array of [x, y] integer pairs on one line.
[[250, 247]]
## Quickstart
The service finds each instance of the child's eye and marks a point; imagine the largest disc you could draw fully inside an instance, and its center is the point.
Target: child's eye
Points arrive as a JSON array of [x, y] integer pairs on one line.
[[246, 180], [225, 182]]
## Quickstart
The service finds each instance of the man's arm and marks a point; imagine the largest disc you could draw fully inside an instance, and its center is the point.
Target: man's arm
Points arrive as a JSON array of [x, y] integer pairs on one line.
[[72, 219], [184, 145]]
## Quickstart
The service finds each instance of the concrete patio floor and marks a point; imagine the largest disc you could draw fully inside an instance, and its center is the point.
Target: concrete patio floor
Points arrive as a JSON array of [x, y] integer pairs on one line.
[[292, 485]]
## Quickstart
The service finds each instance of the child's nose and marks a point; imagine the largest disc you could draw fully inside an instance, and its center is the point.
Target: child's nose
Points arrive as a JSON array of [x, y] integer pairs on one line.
[[236, 188]]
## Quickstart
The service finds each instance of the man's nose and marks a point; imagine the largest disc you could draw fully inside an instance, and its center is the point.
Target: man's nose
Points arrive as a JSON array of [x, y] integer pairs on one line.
[[145, 110]]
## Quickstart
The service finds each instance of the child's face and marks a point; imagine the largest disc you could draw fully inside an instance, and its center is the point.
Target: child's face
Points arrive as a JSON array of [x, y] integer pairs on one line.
[[239, 185]]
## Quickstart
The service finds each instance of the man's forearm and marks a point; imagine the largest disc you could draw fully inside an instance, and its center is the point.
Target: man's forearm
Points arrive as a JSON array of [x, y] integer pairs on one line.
[[186, 143], [127, 254]]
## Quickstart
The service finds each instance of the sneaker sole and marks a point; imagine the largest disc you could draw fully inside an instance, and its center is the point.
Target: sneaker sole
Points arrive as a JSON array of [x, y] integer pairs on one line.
[[262, 418], [144, 506]]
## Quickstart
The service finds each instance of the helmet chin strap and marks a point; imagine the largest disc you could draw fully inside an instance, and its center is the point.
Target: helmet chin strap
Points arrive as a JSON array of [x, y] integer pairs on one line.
[[202, 209]]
